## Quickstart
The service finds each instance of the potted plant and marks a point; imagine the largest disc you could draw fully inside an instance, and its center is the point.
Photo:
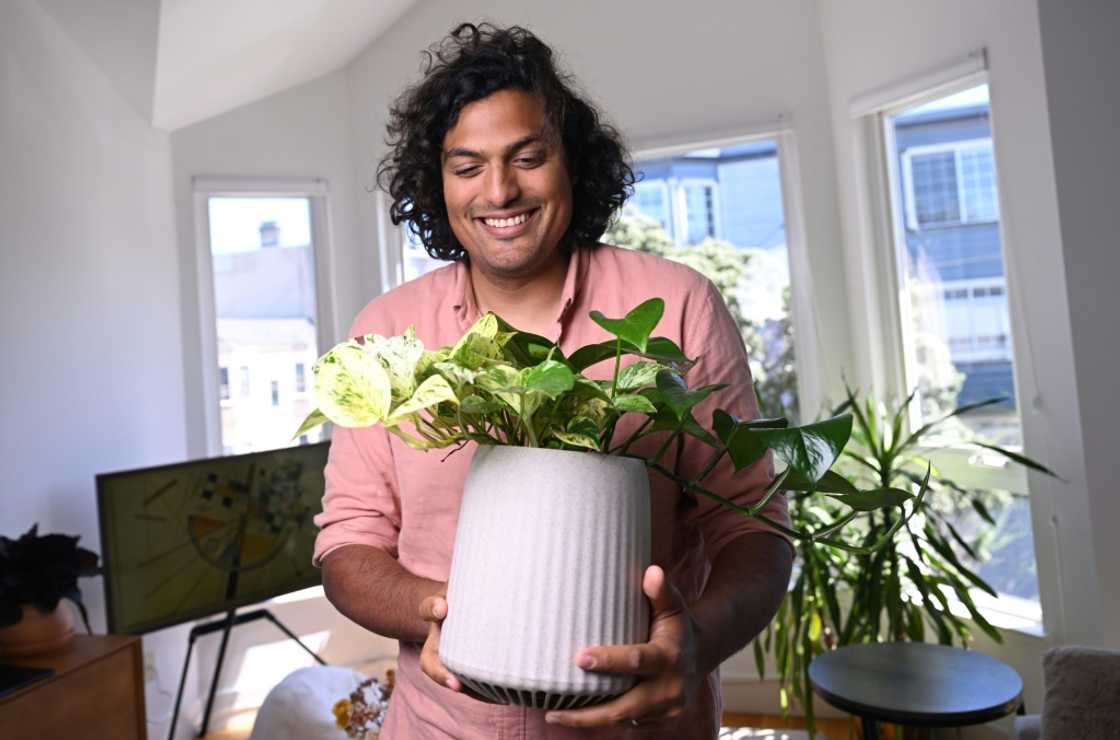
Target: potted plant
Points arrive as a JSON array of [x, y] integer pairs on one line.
[[554, 502], [36, 573], [902, 590]]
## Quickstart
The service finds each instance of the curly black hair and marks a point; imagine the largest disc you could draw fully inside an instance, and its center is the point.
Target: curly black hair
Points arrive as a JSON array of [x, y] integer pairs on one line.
[[472, 62]]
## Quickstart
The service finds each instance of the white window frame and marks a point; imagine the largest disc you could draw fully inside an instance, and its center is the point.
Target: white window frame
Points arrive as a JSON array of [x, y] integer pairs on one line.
[[316, 190], [884, 236], [957, 148], [807, 346]]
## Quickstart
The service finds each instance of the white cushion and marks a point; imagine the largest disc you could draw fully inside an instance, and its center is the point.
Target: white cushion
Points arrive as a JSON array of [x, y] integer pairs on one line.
[[299, 707]]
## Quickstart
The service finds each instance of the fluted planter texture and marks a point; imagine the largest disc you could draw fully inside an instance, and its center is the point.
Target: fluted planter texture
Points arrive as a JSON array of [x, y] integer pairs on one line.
[[549, 556]]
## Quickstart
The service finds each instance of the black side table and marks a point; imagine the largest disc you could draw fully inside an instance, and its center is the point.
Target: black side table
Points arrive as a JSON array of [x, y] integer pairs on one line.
[[916, 684]]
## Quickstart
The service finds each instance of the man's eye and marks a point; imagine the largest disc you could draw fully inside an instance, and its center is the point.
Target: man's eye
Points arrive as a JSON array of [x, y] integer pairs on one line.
[[529, 161], [465, 171]]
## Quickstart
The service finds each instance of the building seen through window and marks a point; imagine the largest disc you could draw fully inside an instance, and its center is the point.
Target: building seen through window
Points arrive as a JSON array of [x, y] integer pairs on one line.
[[265, 309]]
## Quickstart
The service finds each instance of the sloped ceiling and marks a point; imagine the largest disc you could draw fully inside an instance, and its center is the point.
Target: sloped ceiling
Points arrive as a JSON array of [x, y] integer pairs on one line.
[[182, 61]]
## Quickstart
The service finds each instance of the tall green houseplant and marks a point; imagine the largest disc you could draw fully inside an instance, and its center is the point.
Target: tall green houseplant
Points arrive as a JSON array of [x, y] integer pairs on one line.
[[900, 591]]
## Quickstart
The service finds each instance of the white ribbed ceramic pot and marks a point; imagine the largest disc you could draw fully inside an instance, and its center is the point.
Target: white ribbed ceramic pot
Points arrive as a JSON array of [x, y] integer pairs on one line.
[[549, 556]]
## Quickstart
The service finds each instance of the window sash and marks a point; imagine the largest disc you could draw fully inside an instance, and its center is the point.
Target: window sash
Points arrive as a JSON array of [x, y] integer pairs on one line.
[[965, 198]]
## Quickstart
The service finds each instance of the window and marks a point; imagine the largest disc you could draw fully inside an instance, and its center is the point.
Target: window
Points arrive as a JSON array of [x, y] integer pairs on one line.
[[955, 318], [416, 260], [260, 262], [700, 211], [676, 212], [652, 199], [301, 378], [949, 184]]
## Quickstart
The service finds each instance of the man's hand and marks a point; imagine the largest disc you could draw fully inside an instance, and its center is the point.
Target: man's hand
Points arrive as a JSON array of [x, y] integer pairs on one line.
[[433, 610], [668, 665]]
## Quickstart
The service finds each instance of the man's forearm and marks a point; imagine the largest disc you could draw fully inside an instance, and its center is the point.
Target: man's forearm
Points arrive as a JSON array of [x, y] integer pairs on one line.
[[748, 580], [370, 587]]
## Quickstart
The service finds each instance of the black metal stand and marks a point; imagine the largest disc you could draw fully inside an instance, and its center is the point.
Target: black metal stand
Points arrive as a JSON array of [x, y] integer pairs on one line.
[[225, 625]]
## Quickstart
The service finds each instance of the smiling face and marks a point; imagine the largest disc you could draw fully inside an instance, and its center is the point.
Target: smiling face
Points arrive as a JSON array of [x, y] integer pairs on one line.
[[506, 184]]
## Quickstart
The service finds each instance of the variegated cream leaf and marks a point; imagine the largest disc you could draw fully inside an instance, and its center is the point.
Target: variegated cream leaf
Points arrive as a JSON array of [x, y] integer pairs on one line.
[[577, 440], [432, 391], [351, 386], [399, 355]]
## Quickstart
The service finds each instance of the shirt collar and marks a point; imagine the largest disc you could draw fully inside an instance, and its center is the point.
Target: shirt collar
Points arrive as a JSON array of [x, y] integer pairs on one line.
[[466, 309]]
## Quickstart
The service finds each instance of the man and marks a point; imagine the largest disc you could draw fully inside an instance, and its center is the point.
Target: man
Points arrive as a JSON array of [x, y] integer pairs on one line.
[[499, 166]]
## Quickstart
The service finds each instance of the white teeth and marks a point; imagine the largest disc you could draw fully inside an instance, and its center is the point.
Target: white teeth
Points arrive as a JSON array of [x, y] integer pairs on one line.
[[506, 222]]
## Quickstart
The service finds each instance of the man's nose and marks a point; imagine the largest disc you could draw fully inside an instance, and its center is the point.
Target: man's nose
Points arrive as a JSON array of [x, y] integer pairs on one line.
[[501, 185]]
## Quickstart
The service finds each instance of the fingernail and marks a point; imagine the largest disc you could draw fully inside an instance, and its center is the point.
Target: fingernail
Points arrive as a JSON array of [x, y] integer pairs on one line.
[[550, 718], [586, 661]]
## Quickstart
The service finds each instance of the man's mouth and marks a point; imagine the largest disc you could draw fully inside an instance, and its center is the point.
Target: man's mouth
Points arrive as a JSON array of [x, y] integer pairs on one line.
[[507, 225], [505, 222]]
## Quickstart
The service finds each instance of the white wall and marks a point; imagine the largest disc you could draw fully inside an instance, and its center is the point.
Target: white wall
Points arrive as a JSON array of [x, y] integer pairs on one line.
[[303, 132], [1081, 59], [663, 73], [89, 293]]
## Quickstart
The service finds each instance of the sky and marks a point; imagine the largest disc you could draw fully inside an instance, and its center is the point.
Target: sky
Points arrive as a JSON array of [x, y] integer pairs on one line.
[[235, 222]]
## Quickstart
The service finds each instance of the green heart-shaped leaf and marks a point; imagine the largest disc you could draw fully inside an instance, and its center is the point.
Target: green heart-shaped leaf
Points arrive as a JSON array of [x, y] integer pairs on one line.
[[676, 396], [743, 446], [549, 377], [636, 403], [812, 449], [636, 326]]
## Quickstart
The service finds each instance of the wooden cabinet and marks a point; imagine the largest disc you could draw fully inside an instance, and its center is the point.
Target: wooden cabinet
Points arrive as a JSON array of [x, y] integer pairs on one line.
[[97, 691]]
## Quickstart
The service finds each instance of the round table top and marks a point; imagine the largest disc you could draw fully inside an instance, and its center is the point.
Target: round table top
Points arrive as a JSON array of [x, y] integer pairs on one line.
[[915, 683]]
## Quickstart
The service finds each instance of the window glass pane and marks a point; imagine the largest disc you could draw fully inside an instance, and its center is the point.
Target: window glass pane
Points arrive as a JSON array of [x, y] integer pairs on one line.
[[700, 210], [264, 303], [957, 327], [652, 199], [978, 183], [935, 188], [734, 192], [415, 257]]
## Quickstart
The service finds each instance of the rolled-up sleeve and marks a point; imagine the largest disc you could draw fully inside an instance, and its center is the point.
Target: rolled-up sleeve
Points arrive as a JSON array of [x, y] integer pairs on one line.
[[361, 502], [714, 338]]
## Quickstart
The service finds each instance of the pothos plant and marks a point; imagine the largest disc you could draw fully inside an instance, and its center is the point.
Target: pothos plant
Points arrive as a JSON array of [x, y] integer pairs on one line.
[[901, 590], [498, 385]]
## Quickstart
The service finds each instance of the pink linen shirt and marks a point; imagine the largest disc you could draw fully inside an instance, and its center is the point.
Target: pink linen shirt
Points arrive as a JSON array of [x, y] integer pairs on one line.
[[383, 494]]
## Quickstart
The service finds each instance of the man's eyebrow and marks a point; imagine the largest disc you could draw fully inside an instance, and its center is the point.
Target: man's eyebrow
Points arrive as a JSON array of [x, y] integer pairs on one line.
[[458, 151]]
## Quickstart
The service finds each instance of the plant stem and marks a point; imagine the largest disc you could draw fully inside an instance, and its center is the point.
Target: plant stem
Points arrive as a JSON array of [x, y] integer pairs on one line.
[[664, 446], [690, 486], [712, 464], [617, 362], [633, 437]]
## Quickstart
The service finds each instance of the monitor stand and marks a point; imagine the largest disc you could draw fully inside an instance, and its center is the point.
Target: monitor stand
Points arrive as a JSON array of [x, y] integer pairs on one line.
[[225, 625]]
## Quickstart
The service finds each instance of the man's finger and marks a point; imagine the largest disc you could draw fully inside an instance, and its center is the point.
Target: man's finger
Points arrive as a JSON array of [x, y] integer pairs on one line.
[[432, 665], [433, 609], [634, 704], [646, 659], [664, 597]]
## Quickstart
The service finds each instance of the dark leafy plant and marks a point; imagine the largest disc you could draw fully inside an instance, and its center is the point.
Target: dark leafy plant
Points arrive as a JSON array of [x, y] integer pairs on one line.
[[902, 590], [40, 571]]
